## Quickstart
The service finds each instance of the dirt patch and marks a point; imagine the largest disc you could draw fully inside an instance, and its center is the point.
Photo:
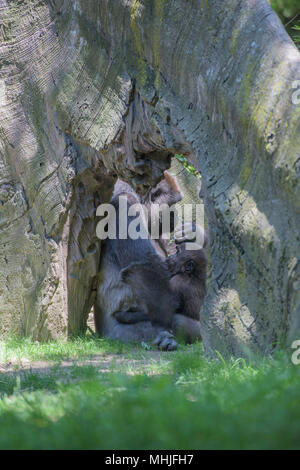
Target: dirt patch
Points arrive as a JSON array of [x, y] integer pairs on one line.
[[150, 363]]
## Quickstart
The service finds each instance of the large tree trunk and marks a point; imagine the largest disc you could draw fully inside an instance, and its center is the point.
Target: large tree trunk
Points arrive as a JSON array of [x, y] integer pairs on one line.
[[91, 86]]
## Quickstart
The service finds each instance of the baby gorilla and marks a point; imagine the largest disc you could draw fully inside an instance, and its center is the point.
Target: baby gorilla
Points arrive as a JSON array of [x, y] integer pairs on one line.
[[188, 282], [187, 274]]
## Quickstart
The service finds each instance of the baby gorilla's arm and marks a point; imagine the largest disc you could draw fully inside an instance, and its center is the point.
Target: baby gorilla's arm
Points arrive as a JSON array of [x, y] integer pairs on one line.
[[186, 328], [162, 338]]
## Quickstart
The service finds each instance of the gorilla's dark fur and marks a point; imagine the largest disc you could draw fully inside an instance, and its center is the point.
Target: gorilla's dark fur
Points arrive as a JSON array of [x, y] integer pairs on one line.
[[142, 294], [187, 278], [117, 299]]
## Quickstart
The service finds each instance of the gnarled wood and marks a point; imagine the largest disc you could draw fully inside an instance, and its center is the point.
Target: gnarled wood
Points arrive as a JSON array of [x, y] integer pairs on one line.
[[128, 83]]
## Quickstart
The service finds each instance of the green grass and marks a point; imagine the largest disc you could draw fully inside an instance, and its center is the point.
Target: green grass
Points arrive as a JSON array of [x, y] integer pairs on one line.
[[80, 347], [289, 12], [296, 36], [145, 400]]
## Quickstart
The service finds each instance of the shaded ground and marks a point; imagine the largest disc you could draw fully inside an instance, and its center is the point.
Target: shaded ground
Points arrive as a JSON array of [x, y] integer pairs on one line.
[[102, 363]]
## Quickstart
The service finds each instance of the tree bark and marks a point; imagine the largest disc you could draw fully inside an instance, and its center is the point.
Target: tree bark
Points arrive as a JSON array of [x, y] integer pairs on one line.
[[91, 90]]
